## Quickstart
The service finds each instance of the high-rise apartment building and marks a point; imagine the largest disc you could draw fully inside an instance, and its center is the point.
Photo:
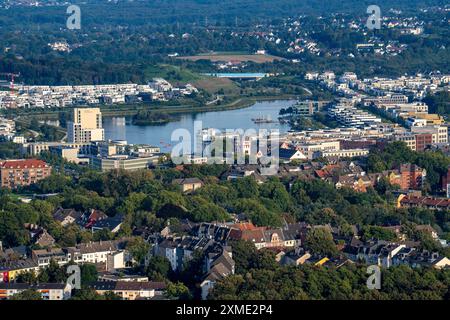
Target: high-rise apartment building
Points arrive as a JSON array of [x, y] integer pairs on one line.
[[86, 126]]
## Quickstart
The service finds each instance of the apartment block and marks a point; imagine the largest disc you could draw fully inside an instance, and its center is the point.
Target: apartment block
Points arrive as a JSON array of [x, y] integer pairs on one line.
[[86, 126], [48, 291], [19, 173]]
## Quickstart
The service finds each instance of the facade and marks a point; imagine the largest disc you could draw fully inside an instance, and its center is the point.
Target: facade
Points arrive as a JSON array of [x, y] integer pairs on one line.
[[412, 176], [11, 269], [349, 153], [122, 162], [48, 291], [218, 266], [439, 133], [128, 290], [387, 100], [406, 201], [309, 108], [86, 126], [98, 253], [19, 173], [35, 148], [189, 184]]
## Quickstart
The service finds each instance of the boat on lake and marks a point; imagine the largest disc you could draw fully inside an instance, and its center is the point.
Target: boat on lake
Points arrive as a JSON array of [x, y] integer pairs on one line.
[[264, 119]]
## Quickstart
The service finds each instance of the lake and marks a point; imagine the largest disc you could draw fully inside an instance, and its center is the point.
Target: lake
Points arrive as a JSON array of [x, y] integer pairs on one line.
[[121, 128]]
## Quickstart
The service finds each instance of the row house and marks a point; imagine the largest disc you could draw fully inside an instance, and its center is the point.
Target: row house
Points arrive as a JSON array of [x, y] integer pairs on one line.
[[98, 253], [289, 236], [48, 291], [179, 250], [218, 265], [432, 203], [129, 290]]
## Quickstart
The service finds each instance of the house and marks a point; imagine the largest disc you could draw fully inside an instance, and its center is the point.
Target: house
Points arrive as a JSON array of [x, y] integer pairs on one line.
[[442, 263], [214, 231], [357, 183], [91, 217], [295, 257], [98, 253], [428, 229], [48, 291], [218, 266], [39, 236], [410, 201], [14, 253], [288, 155], [44, 256], [289, 236], [66, 216], [127, 290], [188, 184], [43, 239], [121, 275], [113, 224], [179, 250], [11, 269]]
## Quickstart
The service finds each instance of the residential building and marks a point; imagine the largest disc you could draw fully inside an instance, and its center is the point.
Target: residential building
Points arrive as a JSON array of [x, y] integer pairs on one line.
[[10, 269], [86, 126], [48, 291], [128, 290], [97, 252], [432, 203], [20, 173], [188, 184], [218, 266], [349, 153], [66, 216], [309, 108]]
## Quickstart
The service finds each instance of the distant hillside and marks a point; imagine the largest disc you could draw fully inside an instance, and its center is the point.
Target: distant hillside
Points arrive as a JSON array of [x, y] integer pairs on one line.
[[195, 11]]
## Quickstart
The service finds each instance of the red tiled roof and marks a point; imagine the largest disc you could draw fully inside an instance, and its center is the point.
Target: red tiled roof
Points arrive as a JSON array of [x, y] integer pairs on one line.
[[427, 201], [23, 164], [244, 226], [253, 235]]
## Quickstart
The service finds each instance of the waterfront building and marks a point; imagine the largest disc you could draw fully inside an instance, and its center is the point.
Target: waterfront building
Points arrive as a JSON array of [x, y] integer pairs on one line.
[[86, 126]]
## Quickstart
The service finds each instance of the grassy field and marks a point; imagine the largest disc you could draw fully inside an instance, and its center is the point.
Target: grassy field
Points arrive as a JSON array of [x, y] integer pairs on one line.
[[212, 85], [230, 56]]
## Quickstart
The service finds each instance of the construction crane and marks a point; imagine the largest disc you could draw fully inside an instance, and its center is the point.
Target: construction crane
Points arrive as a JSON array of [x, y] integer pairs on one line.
[[12, 76]]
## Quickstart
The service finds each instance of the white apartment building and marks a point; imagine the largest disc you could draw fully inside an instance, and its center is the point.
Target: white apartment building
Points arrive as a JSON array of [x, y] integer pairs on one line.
[[350, 116], [349, 153], [310, 150]]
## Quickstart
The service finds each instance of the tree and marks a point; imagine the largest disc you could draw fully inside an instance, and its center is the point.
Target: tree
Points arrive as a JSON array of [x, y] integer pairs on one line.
[[27, 277], [320, 241], [28, 294], [158, 265], [86, 294], [138, 249], [178, 291], [375, 232], [89, 274]]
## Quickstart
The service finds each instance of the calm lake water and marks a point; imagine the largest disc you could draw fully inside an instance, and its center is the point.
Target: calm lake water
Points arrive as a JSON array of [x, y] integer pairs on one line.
[[120, 128]]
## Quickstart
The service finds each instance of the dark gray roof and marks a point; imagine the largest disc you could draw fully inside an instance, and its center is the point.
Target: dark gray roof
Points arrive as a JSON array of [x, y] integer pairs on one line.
[[25, 286]]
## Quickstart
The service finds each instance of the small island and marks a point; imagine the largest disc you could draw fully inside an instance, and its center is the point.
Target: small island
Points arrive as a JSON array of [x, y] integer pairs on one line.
[[145, 117]]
